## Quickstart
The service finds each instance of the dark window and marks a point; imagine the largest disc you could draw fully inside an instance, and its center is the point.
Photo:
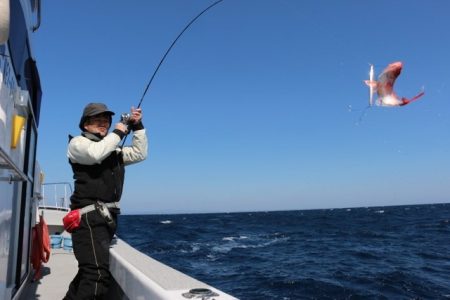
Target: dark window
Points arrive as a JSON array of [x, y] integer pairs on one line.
[[25, 69]]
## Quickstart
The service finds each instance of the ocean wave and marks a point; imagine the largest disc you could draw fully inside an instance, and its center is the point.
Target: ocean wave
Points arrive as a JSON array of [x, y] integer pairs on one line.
[[318, 254], [232, 238], [434, 255], [365, 254], [244, 242], [192, 248]]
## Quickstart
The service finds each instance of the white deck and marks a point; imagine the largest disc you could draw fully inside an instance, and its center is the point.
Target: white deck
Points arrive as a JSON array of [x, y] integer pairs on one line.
[[57, 274], [138, 275]]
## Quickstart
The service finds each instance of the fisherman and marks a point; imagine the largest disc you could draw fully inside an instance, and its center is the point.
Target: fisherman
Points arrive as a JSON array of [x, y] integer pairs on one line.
[[98, 166]]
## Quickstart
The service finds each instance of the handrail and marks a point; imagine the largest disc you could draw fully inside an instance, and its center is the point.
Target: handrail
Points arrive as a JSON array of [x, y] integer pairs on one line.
[[58, 194], [7, 163], [60, 182]]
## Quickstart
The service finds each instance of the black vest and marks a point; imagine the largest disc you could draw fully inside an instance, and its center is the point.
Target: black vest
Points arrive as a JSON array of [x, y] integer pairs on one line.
[[102, 181]]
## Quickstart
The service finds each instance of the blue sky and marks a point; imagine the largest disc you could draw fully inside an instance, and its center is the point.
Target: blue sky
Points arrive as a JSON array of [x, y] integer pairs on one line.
[[249, 111]]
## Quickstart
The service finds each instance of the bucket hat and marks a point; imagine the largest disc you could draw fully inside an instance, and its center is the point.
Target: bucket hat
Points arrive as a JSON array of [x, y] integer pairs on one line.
[[93, 109]]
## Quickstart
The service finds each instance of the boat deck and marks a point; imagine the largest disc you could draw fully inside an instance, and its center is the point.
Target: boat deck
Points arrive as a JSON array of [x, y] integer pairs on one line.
[[136, 276], [56, 277]]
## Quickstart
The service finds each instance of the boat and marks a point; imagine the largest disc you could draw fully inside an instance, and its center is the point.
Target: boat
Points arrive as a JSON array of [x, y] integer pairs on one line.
[[26, 201]]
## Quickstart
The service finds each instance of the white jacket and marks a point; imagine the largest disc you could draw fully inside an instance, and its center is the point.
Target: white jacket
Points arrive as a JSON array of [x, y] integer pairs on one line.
[[87, 152]]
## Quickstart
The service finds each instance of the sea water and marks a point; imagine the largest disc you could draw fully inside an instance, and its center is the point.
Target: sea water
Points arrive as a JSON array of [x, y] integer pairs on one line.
[[396, 252]]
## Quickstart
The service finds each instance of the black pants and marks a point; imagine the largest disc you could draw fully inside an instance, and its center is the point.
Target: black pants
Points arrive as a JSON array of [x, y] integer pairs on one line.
[[91, 242]]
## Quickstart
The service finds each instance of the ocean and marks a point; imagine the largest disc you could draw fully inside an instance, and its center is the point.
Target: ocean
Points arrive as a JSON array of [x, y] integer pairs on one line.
[[394, 252]]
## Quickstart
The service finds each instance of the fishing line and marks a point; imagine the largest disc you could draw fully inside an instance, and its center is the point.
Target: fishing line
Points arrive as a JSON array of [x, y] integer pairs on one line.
[[167, 52], [362, 114]]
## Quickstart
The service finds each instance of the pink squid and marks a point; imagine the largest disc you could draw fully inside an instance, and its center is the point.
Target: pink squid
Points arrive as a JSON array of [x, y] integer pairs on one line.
[[384, 87]]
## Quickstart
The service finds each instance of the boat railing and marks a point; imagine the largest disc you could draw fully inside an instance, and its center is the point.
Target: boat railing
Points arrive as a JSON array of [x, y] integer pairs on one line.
[[56, 196]]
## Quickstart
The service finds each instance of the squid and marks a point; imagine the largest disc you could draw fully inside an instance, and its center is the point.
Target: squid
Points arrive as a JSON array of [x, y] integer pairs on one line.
[[384, 87]]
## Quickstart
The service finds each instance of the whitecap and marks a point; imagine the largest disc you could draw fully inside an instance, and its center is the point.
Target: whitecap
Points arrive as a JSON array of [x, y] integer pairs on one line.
[[211, 257], [166, 222], [222, 248], [244, 242], [232, 238]]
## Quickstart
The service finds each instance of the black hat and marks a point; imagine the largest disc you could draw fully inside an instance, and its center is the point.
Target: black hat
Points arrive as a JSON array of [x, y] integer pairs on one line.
[[93, 109]]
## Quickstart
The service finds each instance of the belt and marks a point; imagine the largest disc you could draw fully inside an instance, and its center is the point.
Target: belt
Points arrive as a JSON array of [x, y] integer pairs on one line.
[[91, 207]]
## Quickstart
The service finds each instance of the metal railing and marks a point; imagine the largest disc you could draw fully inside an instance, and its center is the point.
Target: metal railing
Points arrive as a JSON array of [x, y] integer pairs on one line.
[[56, 195]]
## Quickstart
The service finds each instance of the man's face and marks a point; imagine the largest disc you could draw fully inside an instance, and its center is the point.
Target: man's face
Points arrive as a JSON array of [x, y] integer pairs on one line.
[[98, 124]]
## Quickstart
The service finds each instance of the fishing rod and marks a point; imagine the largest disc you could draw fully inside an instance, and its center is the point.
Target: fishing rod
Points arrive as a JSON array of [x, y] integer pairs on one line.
[[125, 117]]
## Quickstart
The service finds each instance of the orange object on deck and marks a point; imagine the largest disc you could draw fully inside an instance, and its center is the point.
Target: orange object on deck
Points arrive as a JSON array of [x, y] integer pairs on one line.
[[40, 248]]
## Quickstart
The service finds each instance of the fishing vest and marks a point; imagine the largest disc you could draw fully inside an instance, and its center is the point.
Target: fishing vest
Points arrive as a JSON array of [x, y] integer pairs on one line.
[[98, 182]]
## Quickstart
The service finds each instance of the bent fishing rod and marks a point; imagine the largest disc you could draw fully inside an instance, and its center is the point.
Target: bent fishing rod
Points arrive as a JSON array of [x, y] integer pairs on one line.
[[125, 117]]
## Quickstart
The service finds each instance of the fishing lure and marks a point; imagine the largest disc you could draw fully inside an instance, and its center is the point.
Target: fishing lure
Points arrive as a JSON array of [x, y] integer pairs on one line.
[[384, 87]]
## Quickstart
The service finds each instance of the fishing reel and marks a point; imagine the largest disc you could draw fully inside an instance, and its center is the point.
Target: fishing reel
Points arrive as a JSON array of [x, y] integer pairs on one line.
[[125, 118]]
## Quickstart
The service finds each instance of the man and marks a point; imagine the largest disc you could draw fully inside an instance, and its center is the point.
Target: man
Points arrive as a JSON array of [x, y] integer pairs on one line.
[[98, 165]]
